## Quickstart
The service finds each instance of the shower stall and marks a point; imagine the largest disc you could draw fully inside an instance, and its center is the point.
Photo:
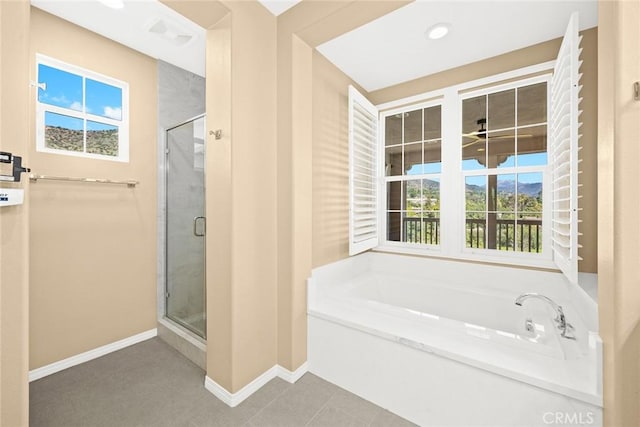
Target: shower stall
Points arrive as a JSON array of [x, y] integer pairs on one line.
[[185, 224]]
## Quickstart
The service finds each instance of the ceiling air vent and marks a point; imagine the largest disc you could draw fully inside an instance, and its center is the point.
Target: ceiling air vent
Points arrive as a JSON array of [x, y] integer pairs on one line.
[[170, 32]]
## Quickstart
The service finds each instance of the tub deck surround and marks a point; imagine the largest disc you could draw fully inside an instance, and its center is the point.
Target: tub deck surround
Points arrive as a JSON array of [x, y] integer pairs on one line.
[[462, 312]]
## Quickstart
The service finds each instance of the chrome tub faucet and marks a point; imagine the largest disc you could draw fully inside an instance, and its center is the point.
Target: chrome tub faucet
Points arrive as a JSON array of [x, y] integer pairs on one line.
[[565, 328]]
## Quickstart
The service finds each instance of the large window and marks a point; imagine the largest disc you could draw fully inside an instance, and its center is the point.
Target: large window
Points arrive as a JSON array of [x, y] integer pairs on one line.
[[504, 157], [483, 170], [413, 163], [499, 156], [80, 112]]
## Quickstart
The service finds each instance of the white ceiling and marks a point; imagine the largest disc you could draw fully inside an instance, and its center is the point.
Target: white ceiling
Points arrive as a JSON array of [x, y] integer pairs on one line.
[[387, 51], [279, 6], [130, 27], [394, 49]]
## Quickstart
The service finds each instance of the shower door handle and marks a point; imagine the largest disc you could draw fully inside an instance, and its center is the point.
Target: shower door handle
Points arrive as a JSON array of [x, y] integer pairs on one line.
[[195, 226]]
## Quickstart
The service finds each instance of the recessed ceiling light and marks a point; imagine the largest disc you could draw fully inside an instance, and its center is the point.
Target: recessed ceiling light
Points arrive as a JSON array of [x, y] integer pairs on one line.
[[438, 31], [113, 4]]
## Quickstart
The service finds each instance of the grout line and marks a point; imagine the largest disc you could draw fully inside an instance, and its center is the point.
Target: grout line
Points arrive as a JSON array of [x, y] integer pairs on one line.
[[321, 408], [270, 402]]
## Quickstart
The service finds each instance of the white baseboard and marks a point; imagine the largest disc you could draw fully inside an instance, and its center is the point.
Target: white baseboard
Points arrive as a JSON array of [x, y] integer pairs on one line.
[[43, 371], [234, 399], [292, 377]]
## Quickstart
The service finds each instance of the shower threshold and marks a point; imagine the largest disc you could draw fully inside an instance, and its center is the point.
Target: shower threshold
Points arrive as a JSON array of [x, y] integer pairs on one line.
[[182, 339]]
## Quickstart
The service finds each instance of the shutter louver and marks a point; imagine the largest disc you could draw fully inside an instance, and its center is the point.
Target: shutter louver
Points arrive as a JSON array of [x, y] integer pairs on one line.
[[363, 179], [563, 151]]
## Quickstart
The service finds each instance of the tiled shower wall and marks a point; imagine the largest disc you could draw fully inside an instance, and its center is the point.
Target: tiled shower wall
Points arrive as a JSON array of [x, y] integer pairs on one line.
[[181, 97]]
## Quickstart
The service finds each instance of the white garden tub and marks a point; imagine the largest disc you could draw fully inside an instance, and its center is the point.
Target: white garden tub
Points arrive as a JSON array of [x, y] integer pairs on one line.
[[442, 342]]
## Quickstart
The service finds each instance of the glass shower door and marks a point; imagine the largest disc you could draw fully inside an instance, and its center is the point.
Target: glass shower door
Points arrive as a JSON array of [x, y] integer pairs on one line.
[[186, 226]]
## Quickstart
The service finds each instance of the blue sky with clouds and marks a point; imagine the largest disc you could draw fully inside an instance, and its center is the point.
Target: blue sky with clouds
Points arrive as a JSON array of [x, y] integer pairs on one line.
[[64, 89]]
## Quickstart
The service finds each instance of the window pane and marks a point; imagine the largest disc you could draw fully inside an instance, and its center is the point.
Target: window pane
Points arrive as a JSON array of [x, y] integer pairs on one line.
[[501, 231], [393, 161], [502, 110], [474, 118], [102, 139], [432, 156], [413, 126], [532, 146], [473, 109], [529, 212], [412, 228], [63, 132], [502, 149], [475, 189], [430, 228], [474, 155], [104, 100], [413, 159], [394, 226], [530, 193], [532, 104], [433, 122], [506, 200], [63, 89], [431, 194], [529, 233], [394, 196], [475, 230], [393, 130], [413, 196]]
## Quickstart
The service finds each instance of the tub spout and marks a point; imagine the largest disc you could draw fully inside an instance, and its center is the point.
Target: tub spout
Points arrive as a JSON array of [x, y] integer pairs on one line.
[[566, 330]]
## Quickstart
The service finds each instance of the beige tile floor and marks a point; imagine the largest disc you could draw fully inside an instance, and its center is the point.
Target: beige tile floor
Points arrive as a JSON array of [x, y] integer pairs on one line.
[[151, 384]]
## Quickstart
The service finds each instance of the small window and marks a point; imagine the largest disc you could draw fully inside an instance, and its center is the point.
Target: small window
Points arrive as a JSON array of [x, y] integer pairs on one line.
[[81, 113]]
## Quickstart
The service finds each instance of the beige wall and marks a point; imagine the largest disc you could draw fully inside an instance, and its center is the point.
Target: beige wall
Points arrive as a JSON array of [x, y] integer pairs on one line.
[[301, 29], [253, 200], [330, 162], [618, 205], [218, 189], [93, 247], [241, 196], [14, 220]]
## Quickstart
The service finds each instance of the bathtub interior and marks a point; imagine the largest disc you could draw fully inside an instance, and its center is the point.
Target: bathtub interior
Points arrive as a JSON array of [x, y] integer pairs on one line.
[[468, 290], [494, 310], [476, 304], [487, 316]]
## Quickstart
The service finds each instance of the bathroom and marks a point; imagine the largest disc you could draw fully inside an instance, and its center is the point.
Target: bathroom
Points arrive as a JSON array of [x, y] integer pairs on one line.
[[93, 277]]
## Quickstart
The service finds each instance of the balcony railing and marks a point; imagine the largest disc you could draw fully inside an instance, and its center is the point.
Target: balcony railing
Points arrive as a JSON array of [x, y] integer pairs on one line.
[[525, 235], [422, 230]]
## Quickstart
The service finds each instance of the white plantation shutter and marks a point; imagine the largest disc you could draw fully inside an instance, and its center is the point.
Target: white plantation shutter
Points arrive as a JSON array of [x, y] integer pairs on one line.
[[363, 163], [563, 150]]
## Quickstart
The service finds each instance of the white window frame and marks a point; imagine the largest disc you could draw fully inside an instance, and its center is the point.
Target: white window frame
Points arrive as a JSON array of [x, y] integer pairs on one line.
[[42, 108], [452, 202], [546, 253], [382, 188]]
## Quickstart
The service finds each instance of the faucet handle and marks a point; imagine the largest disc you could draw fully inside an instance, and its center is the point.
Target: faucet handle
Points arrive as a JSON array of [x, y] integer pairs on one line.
[[560, 318], [567, 332]]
